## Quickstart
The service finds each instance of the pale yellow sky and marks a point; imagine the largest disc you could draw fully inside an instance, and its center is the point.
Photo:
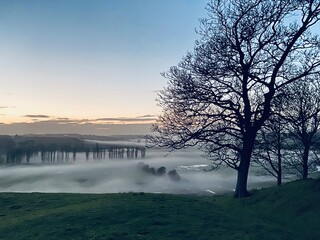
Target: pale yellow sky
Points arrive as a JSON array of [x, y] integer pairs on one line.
[[82, 59]]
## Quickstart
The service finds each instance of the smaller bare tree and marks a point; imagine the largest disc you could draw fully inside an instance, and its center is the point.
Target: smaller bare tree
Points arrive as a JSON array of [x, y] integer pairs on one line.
[[272, 142], [301, 112]]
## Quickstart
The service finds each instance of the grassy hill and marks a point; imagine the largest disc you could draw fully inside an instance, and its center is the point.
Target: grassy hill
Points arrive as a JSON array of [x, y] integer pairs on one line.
[[288, 212]]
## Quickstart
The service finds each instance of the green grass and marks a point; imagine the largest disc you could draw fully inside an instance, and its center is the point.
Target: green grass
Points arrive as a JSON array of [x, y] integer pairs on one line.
[[288, 212]]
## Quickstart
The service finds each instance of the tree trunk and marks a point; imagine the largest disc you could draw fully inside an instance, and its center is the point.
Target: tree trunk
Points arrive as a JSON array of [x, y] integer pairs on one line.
[[242, 179], [279, 172], [305, 166], [279, 179], [243, 171]]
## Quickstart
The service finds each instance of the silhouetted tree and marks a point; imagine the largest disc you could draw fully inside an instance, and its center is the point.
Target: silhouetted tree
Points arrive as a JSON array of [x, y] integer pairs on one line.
[[272, 142], [174, 176], [87, 150], [301, 112], [161, 171], [219, 96]]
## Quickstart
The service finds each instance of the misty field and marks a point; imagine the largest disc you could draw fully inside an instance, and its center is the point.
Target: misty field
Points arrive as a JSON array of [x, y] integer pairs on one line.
[[123, 175], [288, 212]]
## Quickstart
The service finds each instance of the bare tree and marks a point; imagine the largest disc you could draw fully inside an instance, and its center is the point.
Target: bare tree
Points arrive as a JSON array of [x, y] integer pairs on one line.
[[302, 114], [285, 142], [272, 142], [219, 96]]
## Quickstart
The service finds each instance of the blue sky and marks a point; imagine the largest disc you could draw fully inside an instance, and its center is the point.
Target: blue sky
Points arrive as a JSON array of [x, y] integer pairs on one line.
[[87, 60]]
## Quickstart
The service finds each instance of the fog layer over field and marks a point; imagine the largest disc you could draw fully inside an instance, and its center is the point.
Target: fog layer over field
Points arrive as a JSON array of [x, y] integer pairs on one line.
[[123, 175]]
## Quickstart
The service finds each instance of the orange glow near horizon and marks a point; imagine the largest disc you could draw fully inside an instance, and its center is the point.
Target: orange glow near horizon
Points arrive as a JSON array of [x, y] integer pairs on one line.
[[93, 120]]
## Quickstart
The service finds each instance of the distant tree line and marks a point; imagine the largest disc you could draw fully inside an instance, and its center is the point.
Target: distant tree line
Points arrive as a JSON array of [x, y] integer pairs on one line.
[[18, 150]]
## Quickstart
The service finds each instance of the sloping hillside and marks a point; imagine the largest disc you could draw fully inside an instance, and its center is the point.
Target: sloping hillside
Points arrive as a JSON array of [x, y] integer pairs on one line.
[[288, 212]]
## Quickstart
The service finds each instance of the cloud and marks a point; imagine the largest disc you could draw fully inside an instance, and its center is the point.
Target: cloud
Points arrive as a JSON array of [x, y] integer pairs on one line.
[[124, 119], [62, 120], [37, 116], [144, 118], [3, 107], [148, 116]]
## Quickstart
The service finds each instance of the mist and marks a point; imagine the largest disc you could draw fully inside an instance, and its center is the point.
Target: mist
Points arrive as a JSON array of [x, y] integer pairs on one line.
[[123, 175]]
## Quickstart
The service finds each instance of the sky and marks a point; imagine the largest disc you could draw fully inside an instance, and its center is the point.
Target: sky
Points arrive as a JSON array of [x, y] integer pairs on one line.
[[89, 66]]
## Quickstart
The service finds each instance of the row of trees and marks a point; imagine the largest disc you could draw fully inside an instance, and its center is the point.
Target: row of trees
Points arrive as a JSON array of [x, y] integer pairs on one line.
[[57, 150], [221, 95]]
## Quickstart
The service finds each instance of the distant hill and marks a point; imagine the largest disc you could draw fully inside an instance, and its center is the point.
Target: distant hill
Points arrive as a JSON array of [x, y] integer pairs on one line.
[[89, 137]]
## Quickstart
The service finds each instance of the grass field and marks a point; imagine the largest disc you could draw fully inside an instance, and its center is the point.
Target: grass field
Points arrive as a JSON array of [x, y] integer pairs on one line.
[[288, 212]]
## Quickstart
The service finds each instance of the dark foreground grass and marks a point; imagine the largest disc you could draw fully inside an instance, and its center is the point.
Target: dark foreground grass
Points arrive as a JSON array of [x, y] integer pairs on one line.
[[288, 212]]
